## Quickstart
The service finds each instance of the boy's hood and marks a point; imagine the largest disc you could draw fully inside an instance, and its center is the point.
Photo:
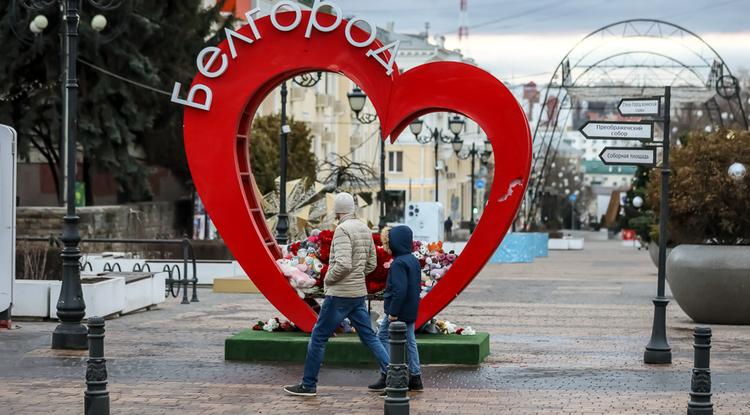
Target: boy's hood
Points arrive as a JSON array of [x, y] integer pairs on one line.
[[400, 240]]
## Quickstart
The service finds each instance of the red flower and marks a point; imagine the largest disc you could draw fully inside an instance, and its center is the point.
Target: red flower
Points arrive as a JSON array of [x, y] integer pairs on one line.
[[375, 280], [323, 272], [324, 254], [293, 248], [325, 238], [375, 287]]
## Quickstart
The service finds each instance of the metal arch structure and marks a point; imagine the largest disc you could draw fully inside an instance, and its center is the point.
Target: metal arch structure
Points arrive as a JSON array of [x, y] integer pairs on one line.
[[630, 58]]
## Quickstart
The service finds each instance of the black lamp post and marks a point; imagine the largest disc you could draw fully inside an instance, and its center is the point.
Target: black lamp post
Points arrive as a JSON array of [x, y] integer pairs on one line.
[[455, 125], [70, 333], [484, 156], [282, 222], [357, 101]]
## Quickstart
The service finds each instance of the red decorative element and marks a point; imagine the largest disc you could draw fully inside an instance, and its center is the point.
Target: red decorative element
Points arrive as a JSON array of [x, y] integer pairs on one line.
[[375, 280], [294, 248], [216, 144], [323, 272], [628, 235]]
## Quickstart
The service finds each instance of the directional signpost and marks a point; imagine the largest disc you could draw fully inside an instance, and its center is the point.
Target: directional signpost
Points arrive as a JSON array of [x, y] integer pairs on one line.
[[640, 106], [641, 130], [657, 350], [628, 156]]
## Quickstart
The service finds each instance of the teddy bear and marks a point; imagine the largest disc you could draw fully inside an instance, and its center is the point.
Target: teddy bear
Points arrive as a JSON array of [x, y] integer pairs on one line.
[[296, 276], [317, 266], [438, 272]]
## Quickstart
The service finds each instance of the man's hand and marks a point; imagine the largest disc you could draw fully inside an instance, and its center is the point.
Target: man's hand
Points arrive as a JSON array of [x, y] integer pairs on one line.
[[392, 318]]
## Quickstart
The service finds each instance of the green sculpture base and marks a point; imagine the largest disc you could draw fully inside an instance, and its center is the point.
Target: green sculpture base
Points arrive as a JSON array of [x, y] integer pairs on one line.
[[345, 349]]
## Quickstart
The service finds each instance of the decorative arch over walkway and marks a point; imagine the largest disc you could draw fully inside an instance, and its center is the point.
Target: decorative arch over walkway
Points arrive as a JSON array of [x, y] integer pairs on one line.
[[630, 58]]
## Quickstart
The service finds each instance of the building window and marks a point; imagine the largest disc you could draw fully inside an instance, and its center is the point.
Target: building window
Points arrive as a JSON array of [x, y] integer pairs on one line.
[[395, 161]]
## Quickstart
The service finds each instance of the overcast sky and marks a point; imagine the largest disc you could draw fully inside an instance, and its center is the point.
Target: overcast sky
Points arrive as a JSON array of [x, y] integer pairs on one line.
[[523, 40]]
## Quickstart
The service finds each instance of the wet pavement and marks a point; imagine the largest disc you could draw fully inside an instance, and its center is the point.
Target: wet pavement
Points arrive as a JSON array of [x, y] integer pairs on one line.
[[567, 336]]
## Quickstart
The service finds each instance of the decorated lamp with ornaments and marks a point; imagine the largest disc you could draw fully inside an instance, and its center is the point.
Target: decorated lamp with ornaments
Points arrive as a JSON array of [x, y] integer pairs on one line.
[[737, 171]]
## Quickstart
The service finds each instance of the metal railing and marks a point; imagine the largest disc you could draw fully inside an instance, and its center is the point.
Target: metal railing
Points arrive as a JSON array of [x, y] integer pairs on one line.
[[177, 280]]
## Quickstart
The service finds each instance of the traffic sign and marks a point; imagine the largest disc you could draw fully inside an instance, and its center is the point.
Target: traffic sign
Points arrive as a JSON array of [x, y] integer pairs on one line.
[[628, 156], [639, 106], [641, 130]]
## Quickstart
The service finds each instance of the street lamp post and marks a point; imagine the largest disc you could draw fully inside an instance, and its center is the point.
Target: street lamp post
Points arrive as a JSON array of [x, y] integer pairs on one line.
[[357, 100], [455, 124], [282, 219], [70, 333], [484, 156]]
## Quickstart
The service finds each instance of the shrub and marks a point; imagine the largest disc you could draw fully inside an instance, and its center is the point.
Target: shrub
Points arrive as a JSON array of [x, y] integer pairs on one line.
[[706, 205]]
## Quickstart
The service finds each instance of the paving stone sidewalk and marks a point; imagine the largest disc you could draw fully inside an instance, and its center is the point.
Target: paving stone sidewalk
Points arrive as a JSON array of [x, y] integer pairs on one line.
[[567, 336]]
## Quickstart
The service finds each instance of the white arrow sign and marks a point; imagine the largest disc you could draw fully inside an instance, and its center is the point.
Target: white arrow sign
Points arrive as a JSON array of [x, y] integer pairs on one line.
[[643, 130], [639, 106], [628, 156]]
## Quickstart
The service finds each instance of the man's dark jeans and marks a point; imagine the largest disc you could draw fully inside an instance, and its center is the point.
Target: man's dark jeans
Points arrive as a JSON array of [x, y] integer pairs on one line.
[[333, 312]]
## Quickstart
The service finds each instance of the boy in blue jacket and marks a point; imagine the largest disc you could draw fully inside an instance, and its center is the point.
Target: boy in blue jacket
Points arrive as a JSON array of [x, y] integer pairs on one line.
[[401, 299]]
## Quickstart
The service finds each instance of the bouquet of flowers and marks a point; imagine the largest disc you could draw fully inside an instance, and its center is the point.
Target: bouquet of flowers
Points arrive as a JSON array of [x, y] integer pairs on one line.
[[305, 263]]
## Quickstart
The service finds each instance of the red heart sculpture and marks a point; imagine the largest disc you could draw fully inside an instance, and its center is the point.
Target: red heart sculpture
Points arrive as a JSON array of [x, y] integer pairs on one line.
[[216, 144]]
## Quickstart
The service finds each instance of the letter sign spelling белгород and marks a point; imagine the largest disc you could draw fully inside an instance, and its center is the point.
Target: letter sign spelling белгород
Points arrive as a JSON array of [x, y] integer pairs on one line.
[[213, 63]]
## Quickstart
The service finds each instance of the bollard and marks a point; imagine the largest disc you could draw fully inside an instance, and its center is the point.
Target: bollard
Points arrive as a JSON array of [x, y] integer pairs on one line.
[[397, 380], [96, 400], [700, 385]]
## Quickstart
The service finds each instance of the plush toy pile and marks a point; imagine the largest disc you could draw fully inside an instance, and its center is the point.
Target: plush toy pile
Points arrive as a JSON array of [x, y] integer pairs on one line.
[[435, 262], [305, 263]]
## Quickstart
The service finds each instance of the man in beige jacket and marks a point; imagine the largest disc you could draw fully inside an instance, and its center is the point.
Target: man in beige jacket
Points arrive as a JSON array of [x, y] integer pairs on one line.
[[352, 257]]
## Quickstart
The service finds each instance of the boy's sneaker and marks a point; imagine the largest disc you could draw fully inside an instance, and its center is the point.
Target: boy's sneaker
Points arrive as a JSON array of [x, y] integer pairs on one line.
[[415, 383], [300, 390], [379, 385]]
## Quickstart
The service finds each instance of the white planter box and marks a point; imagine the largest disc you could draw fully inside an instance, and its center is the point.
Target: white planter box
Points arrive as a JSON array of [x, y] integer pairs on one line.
[[565, 244], [556, 244], [138, 294], [102, 298], [575, 244], [158, 287], [31, 298]]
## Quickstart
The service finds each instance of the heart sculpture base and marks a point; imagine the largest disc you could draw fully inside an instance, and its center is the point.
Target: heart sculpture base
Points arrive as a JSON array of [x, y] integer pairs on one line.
[[347, 349]]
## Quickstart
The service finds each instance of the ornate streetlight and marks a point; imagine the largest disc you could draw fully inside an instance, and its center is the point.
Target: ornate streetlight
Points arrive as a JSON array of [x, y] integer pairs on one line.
[[282, 219], [357, 100], [70, 333], [484, 155], [455, 125]]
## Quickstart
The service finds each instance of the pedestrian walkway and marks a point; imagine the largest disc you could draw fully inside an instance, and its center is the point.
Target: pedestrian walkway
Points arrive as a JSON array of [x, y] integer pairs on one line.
[[567, 332]]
